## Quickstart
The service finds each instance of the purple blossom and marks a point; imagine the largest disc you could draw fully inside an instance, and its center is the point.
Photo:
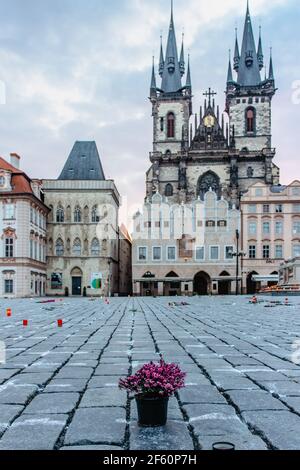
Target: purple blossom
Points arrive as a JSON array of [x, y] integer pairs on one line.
[[155, 380]]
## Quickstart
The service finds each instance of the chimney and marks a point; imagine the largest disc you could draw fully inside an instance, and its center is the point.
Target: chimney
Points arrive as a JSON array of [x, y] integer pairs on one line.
[[15, 160]]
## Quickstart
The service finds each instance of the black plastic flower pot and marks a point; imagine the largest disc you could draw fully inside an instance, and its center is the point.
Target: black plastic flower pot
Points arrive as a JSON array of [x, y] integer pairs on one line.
[[152, 412]]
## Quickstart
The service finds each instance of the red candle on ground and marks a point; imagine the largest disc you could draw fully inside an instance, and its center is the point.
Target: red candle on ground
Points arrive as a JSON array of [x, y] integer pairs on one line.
[[25, 322], [59, 323]]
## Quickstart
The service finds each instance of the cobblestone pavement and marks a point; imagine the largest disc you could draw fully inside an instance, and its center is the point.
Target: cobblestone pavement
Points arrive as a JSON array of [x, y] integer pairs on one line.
[[58, 388]]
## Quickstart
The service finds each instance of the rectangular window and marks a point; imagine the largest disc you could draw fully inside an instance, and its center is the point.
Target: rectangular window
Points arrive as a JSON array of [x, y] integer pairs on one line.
[[9, 248], [266, 209], [156, 253], [296, 227], [296, 191], [200, 254], [8, 286], [171, 253], [31, 249], [252, 228], [279, 209], [9, 211], [266, 228], [296, 251], [229, 250], [252, 208], [266, 252], [214, 253], [258, 192], [296, 208], [278, 251], [142, 253], [279, 228], [252, 251]]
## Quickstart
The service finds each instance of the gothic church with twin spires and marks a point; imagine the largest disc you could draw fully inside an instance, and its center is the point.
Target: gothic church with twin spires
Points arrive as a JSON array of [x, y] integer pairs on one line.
[[202, 166], [227, 152]]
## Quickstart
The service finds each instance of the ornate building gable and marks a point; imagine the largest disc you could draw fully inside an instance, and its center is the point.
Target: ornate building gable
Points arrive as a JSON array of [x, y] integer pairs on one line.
[[210, 134]]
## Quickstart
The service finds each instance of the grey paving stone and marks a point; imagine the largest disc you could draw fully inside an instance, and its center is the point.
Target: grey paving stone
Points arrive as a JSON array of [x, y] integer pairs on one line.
[[97, 425], [293, 402], [281, 428], [255, 400], [68, 372], [215, 420], [174, 436], [17, 394], [7, 414], [52, 403], [112, 369], [33, 433], [66, 385], [100, 397], [201, 394], [102, 381], [7, 373], [282, 388]]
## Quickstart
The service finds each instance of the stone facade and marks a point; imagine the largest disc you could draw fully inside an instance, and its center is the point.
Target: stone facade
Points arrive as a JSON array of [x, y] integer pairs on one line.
[[82, 237], [271, 230], [185, 249], [125, 260], [23, 215]]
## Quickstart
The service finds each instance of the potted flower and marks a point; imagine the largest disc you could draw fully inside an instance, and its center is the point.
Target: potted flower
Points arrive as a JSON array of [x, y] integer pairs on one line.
[[153, 385]]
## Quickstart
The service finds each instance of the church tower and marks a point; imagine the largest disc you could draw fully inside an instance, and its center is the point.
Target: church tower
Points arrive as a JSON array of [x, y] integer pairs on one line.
[[249, 98], [171, 111]]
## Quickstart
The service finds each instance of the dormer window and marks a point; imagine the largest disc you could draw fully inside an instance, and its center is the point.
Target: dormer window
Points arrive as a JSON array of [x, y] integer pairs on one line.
[[2, 181]]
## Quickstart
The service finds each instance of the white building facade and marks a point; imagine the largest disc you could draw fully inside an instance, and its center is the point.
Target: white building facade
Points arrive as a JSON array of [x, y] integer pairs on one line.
[[23, 233]]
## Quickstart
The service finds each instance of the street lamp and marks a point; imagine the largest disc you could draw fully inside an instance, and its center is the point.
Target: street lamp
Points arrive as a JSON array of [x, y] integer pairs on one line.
[[109, 278], [237, 255]]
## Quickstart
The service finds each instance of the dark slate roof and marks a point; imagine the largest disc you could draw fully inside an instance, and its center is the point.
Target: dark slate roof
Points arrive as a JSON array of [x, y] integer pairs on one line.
[[171, 79], [248, 75], [83, 163]]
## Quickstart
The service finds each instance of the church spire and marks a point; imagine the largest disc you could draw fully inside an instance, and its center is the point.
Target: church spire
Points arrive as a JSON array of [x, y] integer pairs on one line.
[[260, 54], [188, 77], [229, 74], [182, 62], [271, 69], [171, 76], [236, 58], [153, 87], [249, 71], [161, 58]]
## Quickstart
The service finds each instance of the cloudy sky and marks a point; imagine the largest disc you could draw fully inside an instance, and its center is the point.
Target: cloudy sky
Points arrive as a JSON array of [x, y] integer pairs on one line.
[[80, 70]]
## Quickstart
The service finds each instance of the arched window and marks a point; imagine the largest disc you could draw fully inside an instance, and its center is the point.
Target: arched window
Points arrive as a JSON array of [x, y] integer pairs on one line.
[[95, 249], [171, 126], [77, 247], [250, 120], [77, 215], [206, 182], [169, 190], [86, 215], [95, 215], [59, 247], [60, 215]]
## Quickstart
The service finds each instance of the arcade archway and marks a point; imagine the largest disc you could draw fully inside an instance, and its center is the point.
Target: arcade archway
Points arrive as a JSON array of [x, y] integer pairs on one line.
[[202, 283]]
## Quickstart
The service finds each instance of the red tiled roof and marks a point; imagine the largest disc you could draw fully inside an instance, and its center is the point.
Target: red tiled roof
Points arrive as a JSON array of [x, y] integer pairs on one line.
[[20, 181]]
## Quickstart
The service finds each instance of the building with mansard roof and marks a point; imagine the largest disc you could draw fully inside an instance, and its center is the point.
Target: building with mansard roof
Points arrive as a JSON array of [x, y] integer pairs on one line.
[[83, 228], [193, 155]]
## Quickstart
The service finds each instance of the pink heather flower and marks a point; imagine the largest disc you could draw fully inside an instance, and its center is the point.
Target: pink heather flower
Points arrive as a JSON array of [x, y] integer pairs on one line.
[[155, 379]]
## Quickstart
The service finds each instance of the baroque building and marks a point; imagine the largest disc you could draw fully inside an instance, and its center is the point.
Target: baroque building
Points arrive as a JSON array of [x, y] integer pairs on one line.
[[208, 152], [270, 232], [23, 232], [83, 228]]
